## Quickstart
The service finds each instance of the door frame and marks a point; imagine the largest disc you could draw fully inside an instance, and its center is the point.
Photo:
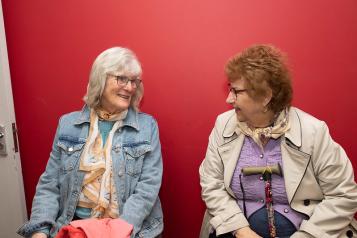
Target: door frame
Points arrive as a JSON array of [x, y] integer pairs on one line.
[[13, 205]]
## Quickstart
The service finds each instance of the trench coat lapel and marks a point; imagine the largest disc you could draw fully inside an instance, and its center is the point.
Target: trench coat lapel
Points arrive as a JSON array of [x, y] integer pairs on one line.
[[295, 164], [295, 161], [230, 149], [229, 153]]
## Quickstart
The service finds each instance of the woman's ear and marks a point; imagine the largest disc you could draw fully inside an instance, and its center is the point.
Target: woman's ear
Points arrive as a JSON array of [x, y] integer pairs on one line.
[[267, 97]]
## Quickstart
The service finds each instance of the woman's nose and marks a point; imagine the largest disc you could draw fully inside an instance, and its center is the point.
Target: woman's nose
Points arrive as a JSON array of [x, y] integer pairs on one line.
[[230, 98], [129, 86]]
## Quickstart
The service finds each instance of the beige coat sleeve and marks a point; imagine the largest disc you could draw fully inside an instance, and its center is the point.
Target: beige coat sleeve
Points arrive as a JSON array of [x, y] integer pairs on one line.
[[335, 175], [224, 209]]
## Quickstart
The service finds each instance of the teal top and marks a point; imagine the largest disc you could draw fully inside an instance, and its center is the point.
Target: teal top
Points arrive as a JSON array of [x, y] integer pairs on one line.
[[105, 127]]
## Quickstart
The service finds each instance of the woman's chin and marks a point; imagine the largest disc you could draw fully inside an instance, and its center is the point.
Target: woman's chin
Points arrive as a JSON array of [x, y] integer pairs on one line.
[[240, 117], [123, 106], [118, 107]]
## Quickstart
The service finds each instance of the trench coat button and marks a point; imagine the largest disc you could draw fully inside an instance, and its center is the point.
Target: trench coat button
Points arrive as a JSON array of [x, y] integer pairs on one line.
[[261, 156], [307, 202], [349, 234], [286, 210], [261, 178], [70, 149]]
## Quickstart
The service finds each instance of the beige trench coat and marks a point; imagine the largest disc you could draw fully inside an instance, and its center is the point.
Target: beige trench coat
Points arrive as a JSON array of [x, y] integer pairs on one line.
[[318, 176]]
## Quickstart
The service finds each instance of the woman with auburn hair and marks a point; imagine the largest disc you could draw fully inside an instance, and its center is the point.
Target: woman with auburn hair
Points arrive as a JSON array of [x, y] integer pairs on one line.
[[272, 170], [106, 159]]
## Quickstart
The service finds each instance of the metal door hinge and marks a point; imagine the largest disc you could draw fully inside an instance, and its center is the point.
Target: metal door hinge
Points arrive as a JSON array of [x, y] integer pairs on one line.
[[2, 140], [3, 150], [14, 134]]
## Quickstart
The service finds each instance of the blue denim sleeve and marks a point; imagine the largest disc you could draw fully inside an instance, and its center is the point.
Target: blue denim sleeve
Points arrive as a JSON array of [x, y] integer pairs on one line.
[[140, 203], [45, 204]]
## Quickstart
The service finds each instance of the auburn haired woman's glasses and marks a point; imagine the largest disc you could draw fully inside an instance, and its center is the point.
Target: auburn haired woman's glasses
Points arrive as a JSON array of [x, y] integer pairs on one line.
[[235, 92]]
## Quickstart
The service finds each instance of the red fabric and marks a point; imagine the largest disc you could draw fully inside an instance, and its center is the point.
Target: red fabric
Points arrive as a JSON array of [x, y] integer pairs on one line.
[[71, 232], [96, 228]]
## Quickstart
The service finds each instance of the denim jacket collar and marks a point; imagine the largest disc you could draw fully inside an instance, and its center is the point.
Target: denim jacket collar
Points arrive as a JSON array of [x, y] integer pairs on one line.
[[130, 120]]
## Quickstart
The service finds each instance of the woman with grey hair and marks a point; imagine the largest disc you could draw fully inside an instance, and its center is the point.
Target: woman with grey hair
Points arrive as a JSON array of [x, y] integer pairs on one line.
[[106, 159]]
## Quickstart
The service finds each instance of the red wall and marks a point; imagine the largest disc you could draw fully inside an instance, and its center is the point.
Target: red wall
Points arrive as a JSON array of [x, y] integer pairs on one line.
[[183, 46]]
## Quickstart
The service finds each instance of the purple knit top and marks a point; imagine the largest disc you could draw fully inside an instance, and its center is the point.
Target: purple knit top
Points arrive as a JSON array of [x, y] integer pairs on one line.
[[253, 185]]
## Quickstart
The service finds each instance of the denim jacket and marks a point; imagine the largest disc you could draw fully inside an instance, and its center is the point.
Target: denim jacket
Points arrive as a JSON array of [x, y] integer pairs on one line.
[[137, 171]]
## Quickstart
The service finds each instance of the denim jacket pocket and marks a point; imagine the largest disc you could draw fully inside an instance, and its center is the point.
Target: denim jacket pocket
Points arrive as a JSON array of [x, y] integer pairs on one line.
[[134, 155], [70, 153]]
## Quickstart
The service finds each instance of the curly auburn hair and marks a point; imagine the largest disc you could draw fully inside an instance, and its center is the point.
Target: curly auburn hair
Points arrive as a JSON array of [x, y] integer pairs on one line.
[[263, 66]]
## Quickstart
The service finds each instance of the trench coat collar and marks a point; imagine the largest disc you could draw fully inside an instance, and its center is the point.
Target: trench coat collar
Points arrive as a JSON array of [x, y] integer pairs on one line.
[[131, 118], [231, 126], [295, 131]]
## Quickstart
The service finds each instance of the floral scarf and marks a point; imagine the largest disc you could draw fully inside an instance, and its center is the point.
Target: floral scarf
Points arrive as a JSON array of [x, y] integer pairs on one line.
[[98, 188], [262, 135]]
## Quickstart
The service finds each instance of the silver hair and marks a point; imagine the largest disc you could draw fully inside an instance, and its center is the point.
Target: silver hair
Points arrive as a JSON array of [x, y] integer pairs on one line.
[[116, 60]]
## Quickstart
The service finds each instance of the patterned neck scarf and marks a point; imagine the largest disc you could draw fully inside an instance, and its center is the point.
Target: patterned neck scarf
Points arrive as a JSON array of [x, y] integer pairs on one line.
[[262, 135], [98, 191], [107, 116]]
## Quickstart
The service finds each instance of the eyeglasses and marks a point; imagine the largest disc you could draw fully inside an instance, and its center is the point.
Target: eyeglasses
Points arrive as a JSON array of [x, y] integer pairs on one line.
[[235, 92], [123, 80]]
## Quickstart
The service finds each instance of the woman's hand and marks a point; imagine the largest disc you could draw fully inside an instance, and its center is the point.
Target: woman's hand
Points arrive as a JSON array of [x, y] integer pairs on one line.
[[39, 235], [246, 232]]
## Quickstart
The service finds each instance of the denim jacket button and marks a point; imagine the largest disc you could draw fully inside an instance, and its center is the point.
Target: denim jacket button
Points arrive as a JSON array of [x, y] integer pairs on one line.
[[70, 149], [120, 173]]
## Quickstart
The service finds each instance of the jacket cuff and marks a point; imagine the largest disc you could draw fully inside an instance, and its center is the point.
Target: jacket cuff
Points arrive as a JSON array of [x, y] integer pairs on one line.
[[312, 229], [45, 230], [228, 222], [27, 229]]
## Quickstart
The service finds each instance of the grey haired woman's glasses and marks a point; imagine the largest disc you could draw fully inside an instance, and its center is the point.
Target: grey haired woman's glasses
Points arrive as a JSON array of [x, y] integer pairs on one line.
[[123, 80]]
